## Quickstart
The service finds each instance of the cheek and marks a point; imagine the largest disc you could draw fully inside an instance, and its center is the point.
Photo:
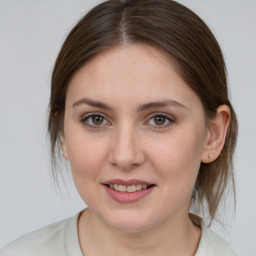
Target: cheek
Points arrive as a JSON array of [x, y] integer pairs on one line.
[[178, 166], [87, 154], [86, 161], [86, 157], [178, 158]]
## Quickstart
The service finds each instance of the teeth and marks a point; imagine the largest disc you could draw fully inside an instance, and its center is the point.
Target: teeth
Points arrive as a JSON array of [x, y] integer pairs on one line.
[[122, 188], [138, 187], [129, 189]]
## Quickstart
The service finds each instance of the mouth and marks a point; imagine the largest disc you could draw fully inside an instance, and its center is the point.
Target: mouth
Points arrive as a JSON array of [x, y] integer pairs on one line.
[[130, 188], [128, 191]]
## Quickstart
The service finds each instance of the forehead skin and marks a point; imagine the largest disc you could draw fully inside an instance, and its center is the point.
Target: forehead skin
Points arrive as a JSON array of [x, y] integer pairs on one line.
[[110, 67]]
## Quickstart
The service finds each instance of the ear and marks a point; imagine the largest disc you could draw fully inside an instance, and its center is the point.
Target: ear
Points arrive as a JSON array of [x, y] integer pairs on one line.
[[216, 134], [64, 148]]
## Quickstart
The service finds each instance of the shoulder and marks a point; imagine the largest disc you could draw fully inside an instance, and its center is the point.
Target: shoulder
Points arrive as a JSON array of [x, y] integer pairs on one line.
[[211, 244], [50, 240]]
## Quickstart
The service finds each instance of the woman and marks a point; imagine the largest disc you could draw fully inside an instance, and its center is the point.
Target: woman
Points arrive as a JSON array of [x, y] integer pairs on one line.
[[139, 106]]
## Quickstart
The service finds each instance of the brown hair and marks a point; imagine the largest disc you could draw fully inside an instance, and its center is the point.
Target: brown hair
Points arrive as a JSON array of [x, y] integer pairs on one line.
[[181, 34]]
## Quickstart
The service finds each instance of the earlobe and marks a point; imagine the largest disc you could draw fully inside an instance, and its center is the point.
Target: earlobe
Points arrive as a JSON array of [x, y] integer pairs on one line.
[[64, 148], [216, 134]]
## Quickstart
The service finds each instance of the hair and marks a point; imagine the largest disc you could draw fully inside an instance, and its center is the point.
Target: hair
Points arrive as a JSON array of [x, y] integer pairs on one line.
[[180, 34]]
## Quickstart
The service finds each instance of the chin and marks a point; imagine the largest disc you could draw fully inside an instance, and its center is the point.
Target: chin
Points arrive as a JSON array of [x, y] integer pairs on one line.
[[129, 222], [130, 227]]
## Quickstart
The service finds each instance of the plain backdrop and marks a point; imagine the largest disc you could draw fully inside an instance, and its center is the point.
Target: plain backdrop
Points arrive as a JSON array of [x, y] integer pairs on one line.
[[31, 33]]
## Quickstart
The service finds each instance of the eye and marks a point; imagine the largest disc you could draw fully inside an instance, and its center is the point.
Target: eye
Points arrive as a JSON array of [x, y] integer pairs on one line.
[[94, 120], [160, 120]]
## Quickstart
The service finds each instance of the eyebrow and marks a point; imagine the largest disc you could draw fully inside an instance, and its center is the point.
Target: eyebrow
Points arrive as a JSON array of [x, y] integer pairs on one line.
[[92, 103], [155, 104], [164, 103]]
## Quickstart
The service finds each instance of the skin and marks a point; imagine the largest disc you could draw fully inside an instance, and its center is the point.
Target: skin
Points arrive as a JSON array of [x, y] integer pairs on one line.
[[129, 144]]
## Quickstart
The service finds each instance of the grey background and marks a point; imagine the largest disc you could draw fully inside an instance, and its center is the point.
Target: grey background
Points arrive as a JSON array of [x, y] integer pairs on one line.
[[31, 33]]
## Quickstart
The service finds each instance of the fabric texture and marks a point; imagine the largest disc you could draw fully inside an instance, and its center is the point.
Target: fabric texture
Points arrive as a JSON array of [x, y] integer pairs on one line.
[[61, 239]]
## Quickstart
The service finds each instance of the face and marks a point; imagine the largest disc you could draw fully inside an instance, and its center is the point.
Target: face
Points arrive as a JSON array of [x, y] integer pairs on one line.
[[134, 134]]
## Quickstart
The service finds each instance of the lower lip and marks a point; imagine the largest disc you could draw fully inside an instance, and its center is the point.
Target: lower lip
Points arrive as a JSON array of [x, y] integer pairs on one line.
[[126, 197]]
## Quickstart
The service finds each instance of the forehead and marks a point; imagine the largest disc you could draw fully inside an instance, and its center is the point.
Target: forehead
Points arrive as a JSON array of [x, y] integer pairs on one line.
[[129, 72], [129, 60]]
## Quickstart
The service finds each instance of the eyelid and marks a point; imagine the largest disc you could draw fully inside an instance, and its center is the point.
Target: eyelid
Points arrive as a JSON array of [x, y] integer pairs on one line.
[[170, 118], [91, 114], [161, 114], [84, 117]]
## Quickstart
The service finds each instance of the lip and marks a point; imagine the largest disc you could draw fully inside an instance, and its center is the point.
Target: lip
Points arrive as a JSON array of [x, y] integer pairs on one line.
[[127, 182], [126, 197]]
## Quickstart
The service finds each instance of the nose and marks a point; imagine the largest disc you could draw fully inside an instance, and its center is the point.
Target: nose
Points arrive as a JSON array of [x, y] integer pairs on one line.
[[126, 151]]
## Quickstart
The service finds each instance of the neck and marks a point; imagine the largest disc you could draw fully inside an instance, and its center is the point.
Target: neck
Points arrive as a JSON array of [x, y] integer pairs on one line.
[[176, 237]]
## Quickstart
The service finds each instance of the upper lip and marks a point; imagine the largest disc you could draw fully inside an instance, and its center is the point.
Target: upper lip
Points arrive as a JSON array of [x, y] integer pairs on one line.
[[126, 182]]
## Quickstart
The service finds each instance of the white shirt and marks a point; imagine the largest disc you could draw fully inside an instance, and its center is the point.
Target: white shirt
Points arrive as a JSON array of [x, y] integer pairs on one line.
[[61, 239]]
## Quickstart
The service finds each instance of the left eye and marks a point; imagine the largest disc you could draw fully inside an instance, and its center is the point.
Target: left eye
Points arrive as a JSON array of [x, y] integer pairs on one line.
[[94, 120], [160, 120]]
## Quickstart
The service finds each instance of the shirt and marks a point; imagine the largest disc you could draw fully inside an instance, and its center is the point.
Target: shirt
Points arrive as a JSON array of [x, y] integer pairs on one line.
[[61, 239]]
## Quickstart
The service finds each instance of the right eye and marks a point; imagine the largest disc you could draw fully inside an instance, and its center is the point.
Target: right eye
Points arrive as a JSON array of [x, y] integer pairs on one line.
[[94, 120]]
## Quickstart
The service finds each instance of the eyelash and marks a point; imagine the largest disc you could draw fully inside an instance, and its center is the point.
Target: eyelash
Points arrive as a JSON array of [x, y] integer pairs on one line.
[[166, 118], [84, 120]]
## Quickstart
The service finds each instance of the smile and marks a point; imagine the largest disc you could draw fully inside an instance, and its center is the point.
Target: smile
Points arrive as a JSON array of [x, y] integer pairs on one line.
[[129, 189]]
